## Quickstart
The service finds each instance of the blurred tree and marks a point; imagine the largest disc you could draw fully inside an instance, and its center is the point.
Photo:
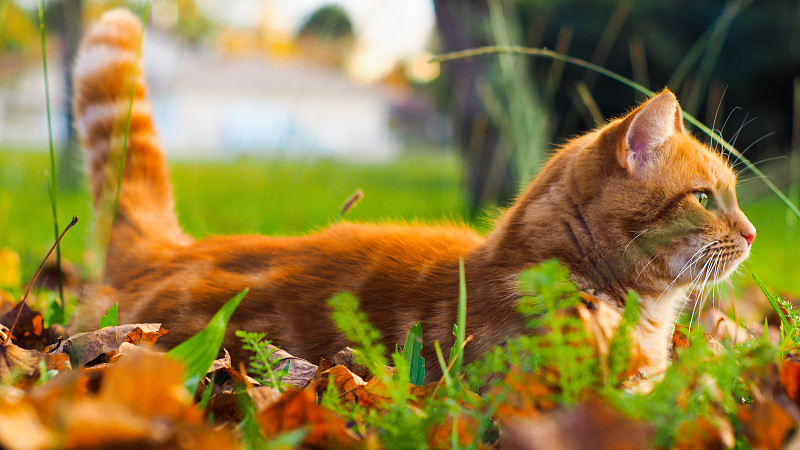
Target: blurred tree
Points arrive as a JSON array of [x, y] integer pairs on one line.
[[748, 50], [751, 48], [327, 36], [488, 170]]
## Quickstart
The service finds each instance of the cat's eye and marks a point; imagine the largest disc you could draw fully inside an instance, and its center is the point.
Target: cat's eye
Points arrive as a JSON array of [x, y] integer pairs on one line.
[[702, 198]]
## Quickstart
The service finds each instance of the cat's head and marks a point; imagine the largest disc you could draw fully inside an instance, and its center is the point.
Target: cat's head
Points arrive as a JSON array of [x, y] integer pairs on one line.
[[677, 199], [644, 204]]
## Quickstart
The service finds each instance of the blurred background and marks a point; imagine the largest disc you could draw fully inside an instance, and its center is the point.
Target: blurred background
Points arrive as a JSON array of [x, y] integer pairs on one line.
[[273, 112]]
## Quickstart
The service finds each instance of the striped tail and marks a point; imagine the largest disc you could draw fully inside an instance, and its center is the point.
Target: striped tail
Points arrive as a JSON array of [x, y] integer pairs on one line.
[[110, 96]]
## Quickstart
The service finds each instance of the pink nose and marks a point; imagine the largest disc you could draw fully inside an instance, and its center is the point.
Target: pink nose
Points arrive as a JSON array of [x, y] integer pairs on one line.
[[749, 238]]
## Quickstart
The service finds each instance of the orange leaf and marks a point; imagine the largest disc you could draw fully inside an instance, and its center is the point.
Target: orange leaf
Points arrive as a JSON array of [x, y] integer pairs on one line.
[[765, 424], [297, 409]]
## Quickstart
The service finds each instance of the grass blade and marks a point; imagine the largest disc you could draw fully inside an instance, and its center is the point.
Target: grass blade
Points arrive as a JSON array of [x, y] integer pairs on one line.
[[440, 356], [541, 52], [53, 185], [773, 301], [412, 353], [130, 113], [457, 352], [199, 351]]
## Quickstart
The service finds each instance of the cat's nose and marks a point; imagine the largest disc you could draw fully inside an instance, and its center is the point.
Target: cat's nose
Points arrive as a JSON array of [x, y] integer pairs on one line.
[[748, 231]]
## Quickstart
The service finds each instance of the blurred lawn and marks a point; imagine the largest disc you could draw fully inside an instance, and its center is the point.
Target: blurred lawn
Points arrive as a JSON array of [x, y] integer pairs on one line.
[[775, 256], [295, 197], [232, 197]]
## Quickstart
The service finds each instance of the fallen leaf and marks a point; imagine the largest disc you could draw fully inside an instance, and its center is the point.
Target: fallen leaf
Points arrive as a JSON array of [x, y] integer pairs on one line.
[[21, 367], [523, 394], [139, 401], [721, 327], [20, 426], [765, 424], [298, 409], [29, 331], [345, 357], [592, 424], [790, 378], [300, 372], [96, 347], [346, 382], [440, 435]]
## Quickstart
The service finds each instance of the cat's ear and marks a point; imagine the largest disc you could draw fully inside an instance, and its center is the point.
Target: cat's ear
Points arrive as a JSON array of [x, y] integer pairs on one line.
[[651, 125]]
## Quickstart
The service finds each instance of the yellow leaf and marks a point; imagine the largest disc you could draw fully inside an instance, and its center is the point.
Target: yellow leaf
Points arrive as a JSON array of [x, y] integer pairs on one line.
[[9, 268]]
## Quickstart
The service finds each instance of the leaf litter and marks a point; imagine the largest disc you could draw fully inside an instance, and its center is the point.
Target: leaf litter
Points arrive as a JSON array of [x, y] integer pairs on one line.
[[109, 388]]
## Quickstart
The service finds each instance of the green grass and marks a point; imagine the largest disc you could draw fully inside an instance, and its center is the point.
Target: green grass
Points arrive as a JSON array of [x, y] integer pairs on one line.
[[774, 256], [295, 197], [233, 197]]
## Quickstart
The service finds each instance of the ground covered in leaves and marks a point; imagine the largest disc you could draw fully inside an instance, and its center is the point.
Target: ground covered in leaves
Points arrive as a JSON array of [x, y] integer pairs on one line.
[[571, 384]]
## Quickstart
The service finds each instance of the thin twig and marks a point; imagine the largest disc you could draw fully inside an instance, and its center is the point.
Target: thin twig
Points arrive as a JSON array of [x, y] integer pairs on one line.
[[35, 276]]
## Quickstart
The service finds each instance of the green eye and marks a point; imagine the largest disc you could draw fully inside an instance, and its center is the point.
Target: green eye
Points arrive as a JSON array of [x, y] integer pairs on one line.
[[701, 197]]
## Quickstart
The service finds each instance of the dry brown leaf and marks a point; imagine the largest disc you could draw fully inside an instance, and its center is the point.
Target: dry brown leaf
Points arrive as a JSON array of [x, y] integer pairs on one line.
[[346, 382], [27, 327], [21, 367], [298, 409], [300, 372], [224, 401], [790, 378], [138, 401], [592, 424], [345, 357], [440, 435], [721, 327], [525, 395], [765, 424], [20, 426], [97, 347]]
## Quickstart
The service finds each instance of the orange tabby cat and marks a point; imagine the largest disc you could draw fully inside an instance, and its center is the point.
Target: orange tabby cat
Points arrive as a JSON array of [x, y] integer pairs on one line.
[[636, 204]]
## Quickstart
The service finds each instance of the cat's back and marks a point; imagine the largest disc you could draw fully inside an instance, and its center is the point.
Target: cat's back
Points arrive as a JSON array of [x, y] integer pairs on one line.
[[290, 277]]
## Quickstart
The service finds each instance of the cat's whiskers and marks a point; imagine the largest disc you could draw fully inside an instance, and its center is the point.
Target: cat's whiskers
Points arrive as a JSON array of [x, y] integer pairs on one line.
[[716, 144], [707, 270], [689, 263], [656, 255], [738, 172], [714, 122], [749, 147], [744, 123], [634, 238]]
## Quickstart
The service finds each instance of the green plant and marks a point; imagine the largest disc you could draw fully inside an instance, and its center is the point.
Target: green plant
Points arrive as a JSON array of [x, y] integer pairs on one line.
[[199, 351], [53, 188], [262, 366], [412, 354], [111, 318], [790, 317]]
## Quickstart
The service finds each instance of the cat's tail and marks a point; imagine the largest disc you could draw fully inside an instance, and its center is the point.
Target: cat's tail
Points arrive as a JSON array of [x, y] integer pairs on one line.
[[111, 111]]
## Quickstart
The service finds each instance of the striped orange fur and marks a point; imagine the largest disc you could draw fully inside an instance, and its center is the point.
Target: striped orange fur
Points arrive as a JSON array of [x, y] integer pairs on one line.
[[623, 207]]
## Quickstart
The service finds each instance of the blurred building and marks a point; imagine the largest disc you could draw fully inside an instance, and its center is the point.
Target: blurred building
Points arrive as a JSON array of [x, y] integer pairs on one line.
[[211, 105]]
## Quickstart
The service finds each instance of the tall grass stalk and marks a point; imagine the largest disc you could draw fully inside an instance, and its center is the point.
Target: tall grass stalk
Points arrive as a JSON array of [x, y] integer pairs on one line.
[[794, 160], [527, 121], [713, 49], [545, 53], [716, 32], [130, 112], [53, 185]]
